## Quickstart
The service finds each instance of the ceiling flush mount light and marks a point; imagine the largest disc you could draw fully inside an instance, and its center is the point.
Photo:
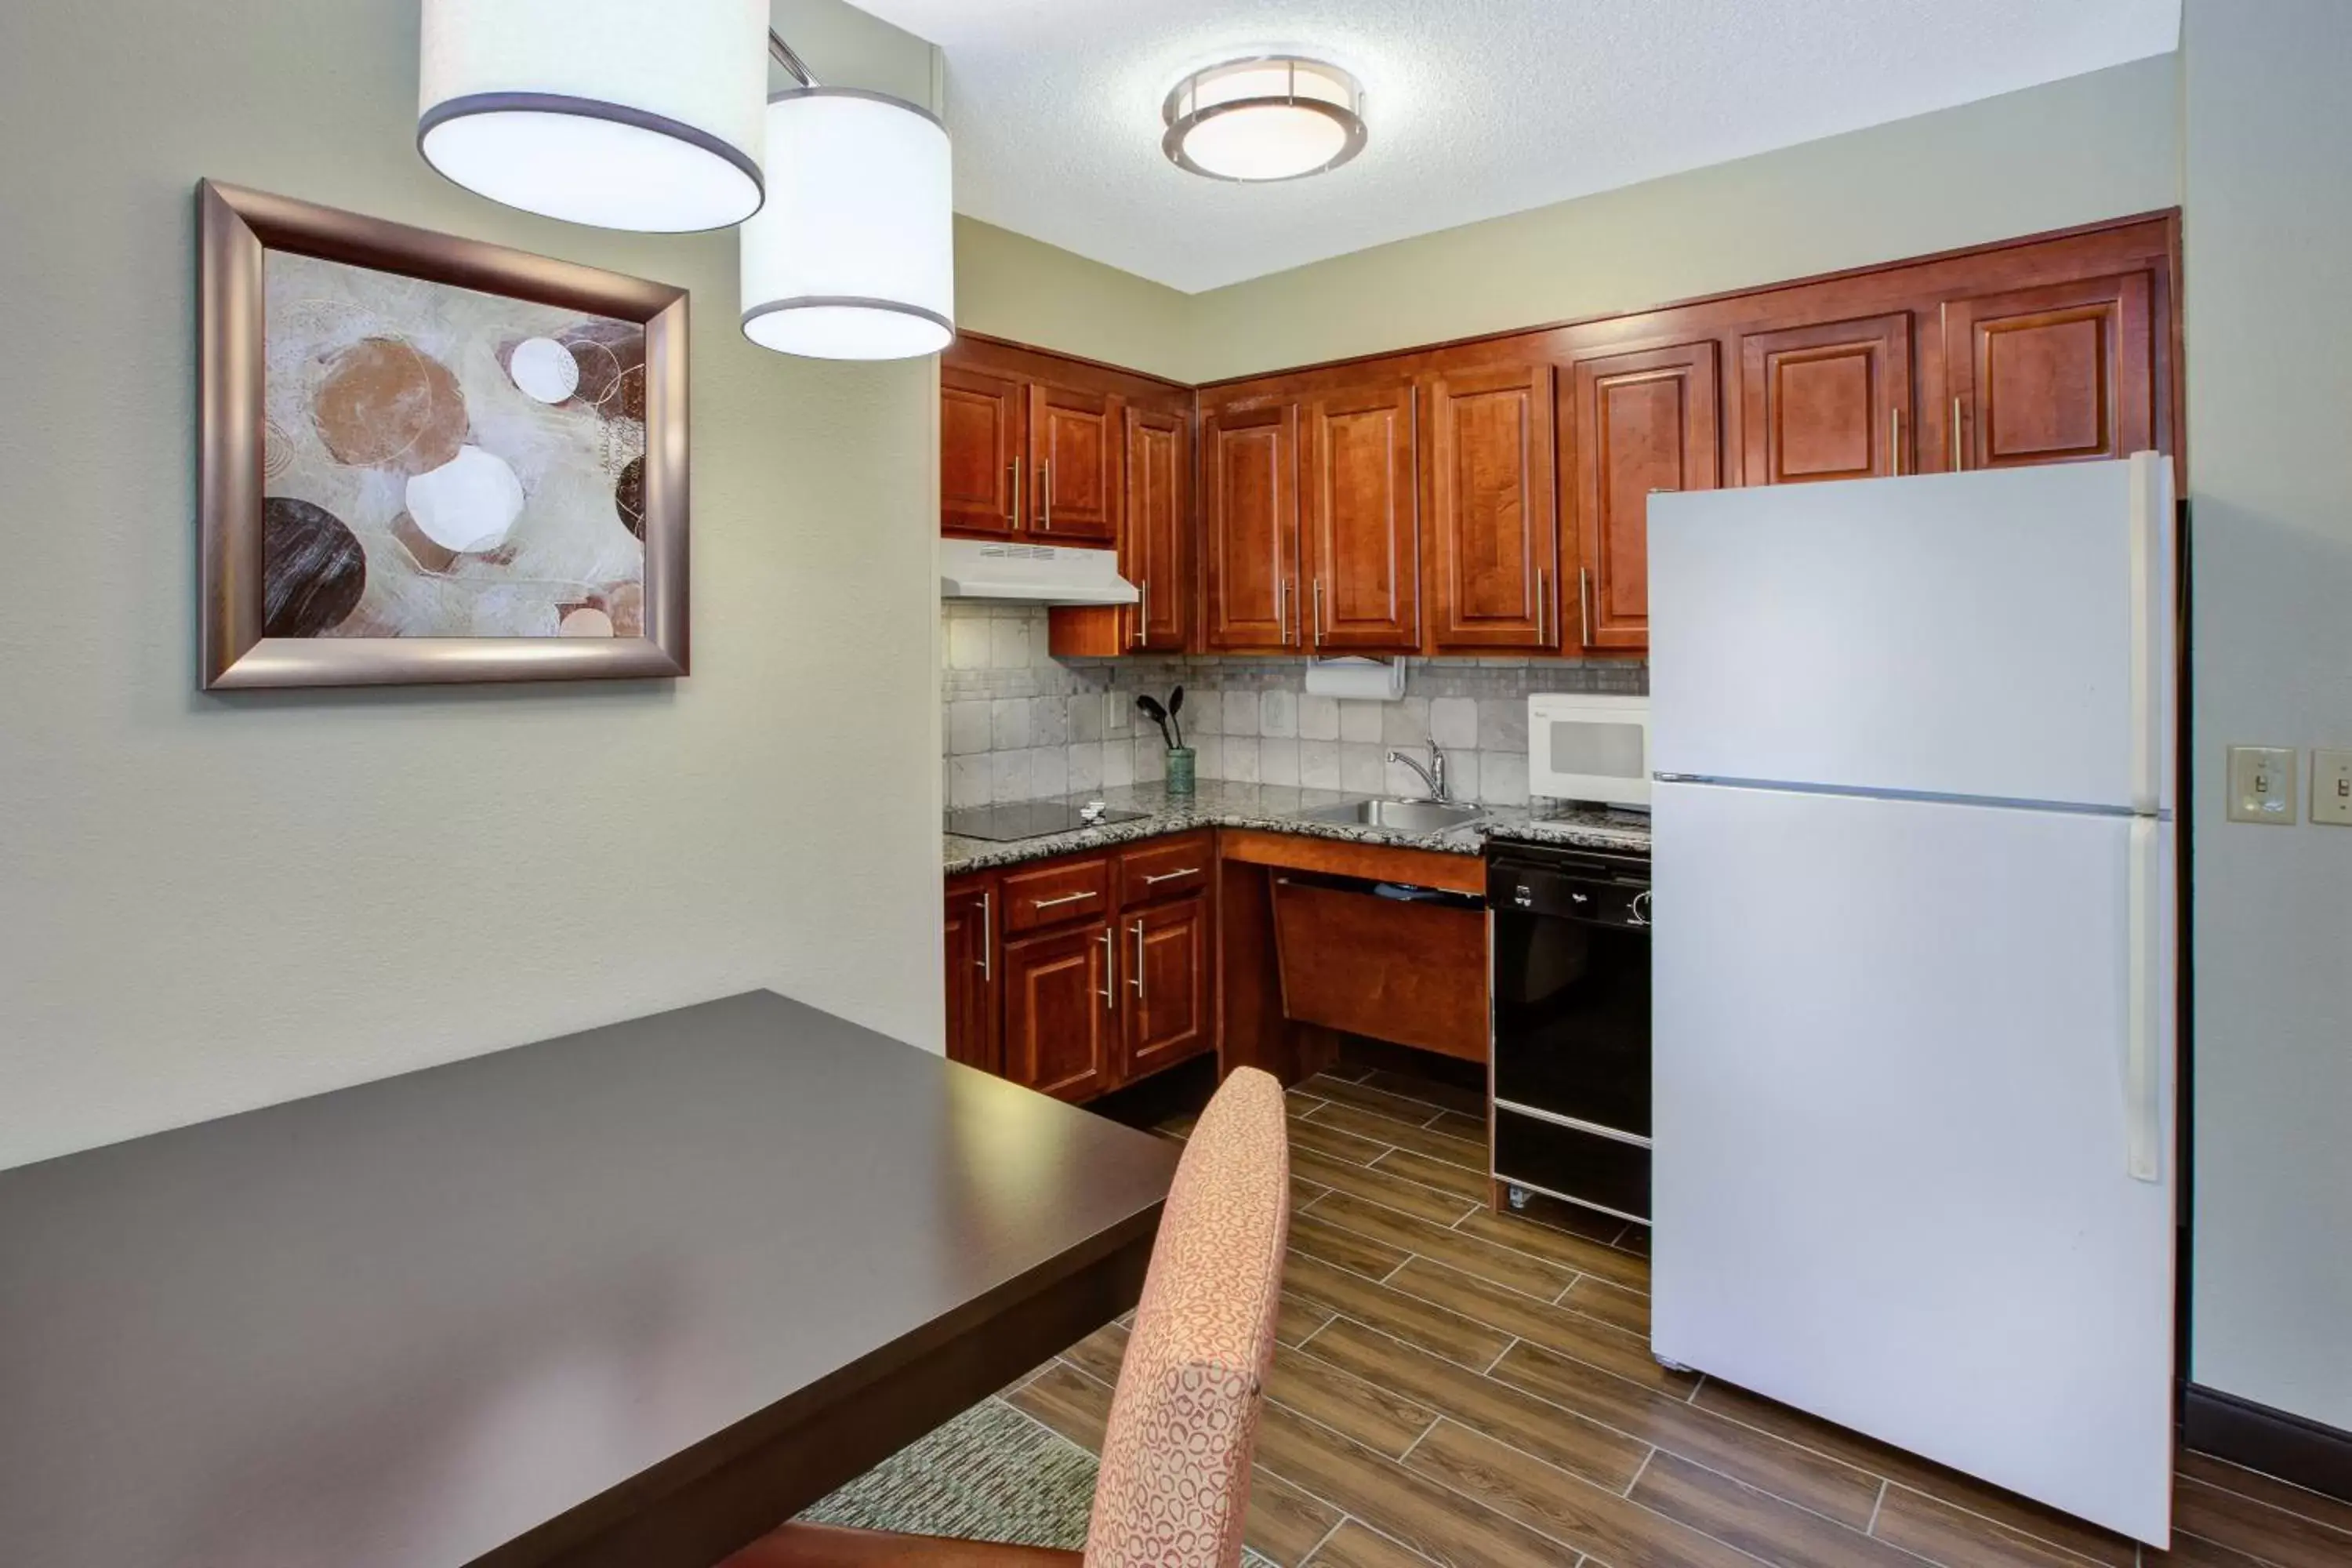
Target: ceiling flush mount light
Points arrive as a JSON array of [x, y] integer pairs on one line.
[[854, 255], [1275, 116], [609, 112]]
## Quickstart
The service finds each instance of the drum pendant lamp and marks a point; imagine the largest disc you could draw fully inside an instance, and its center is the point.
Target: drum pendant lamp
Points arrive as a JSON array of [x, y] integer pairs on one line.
[[854, 255], [653, 116], [627, 114]]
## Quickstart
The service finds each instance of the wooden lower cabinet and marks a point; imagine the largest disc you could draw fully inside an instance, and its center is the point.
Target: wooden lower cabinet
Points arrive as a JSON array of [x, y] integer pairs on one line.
[[1192, 959], [972, 958], [1167, 958], [1061, 1011], [1078, 974]]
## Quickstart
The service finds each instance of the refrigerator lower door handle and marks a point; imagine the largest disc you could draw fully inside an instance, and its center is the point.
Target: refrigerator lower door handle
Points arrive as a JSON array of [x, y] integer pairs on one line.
[[2144, 1010]]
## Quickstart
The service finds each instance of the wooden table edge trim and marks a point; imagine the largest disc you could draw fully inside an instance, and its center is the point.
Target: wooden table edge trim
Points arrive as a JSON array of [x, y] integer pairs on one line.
[[698, 1505]]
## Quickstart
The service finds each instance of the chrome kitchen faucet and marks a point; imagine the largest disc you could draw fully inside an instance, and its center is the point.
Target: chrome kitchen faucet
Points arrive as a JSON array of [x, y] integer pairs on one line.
[[1433, 775]]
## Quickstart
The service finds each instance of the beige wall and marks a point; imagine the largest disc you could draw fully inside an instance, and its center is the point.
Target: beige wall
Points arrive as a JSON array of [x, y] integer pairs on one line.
[[2268, 264], [1010, 285], [2097, 146], [209, 903]]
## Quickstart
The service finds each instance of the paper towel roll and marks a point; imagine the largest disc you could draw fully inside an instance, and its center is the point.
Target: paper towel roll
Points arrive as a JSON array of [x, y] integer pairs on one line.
[[1366, 679]]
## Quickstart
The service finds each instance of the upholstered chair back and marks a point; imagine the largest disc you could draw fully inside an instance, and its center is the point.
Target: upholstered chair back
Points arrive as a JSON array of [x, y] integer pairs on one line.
[[1176, 1457]]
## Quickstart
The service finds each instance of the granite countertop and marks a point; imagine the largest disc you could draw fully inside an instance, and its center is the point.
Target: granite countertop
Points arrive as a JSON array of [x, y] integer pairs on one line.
[[1274, 808]]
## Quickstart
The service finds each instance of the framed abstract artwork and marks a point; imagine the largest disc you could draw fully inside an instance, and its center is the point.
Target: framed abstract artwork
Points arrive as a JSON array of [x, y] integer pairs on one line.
[[425, 459]]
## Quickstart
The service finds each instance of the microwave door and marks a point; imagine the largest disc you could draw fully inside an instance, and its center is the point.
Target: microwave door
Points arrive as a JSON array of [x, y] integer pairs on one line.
[[1589, 749]]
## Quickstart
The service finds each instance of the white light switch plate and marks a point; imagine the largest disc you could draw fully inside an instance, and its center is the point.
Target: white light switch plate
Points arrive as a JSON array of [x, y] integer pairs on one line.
[[2262, 785], [2331, 787]]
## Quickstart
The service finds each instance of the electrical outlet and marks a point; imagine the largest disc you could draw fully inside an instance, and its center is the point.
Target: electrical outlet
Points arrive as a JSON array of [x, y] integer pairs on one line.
[[2262, 785], [2331, 787]]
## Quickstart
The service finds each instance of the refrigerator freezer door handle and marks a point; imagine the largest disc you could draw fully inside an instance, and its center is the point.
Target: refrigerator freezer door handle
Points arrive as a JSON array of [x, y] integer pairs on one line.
[[2150, 502], [2144, 1012]]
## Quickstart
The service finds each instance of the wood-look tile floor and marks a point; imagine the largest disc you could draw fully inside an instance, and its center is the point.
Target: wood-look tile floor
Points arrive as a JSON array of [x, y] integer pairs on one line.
[[1455, 1387]]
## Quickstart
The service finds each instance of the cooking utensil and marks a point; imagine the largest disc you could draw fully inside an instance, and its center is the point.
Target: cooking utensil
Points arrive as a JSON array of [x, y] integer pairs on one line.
[[1176, 706], [1152, 709]]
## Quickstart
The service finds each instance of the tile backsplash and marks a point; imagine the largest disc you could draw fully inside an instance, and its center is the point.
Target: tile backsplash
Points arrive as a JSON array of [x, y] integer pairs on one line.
[[1023, 725]]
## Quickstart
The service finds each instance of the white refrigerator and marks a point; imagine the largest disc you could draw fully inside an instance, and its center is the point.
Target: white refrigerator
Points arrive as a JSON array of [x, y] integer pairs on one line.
[[1914, 964]]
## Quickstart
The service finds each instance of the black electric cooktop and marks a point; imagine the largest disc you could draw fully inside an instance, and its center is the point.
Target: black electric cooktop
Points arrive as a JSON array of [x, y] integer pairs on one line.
[[1028, 819]]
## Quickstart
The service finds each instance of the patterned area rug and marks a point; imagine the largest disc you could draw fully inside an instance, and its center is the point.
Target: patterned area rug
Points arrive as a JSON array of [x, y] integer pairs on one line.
[[991, 1474]]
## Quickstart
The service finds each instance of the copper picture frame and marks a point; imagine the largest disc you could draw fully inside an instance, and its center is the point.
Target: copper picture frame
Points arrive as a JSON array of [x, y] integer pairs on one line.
[[236, 228]]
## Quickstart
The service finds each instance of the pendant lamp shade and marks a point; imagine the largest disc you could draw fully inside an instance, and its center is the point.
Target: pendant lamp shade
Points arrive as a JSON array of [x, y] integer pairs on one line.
[[631, 115], [854, 254]]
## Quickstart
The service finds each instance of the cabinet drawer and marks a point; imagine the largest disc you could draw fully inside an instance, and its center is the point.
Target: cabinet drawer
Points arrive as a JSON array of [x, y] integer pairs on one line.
[[1569, 1163], [1165, 869], [1056, 893]]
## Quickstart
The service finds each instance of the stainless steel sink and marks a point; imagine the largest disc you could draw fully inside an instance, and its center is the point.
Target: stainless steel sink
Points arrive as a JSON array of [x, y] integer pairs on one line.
[[1404, 816]]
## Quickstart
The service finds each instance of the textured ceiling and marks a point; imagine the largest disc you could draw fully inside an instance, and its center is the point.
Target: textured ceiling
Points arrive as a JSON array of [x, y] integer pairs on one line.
[[1476, 107]]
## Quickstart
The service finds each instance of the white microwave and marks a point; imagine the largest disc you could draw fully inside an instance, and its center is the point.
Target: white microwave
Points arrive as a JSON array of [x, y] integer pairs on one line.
[[1590, 748]]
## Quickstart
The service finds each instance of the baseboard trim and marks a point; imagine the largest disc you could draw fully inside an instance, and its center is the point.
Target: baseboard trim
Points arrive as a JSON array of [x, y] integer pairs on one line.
[[2308, 1453]]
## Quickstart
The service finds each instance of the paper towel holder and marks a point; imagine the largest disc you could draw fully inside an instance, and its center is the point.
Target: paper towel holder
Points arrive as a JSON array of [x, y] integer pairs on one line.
[[1356, 676]]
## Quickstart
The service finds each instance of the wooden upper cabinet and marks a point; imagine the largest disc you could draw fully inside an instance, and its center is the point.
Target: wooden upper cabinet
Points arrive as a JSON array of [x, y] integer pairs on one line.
[[1636, 423], [1360, 506], [982, 448], [1249, 527], [1059, 1010], [1490, 530], [2052, 374], [1827, 402], [1073, 466], [972, 976], [1492, 495], [1156, 550], [1166, 1004]]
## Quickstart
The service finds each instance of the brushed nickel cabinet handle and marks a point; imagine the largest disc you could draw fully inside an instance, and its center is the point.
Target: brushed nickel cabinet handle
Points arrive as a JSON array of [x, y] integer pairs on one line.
[[1895, 442], [1584, 602], [1013, 512], [1046, 488], [1143, 616], [1171, 876], [1959, 453], [987, 928], [1318, 612], [1136, 978], [1110, 972], [1058, 903]]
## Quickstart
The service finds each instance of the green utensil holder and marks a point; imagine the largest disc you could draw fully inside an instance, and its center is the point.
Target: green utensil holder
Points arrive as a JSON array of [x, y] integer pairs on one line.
[[1180, 769]]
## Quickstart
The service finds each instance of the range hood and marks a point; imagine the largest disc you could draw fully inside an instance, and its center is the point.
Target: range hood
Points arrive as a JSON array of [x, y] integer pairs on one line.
[[1034, 574]]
